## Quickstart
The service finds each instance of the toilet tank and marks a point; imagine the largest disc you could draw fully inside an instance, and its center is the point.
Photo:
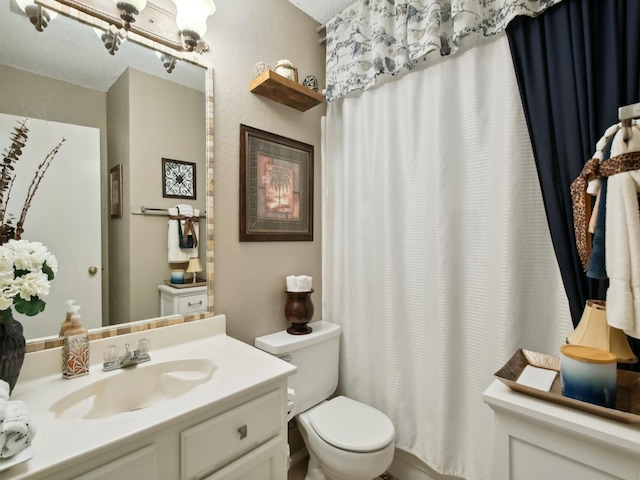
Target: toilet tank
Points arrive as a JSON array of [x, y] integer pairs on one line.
[[316, 357]]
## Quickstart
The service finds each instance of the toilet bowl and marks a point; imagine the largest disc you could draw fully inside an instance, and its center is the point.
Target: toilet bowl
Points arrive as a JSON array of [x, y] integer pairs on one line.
[[346, 440]]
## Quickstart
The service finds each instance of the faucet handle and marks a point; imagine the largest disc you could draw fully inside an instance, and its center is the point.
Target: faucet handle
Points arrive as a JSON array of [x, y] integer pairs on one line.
[[143, 345], [110, 353]]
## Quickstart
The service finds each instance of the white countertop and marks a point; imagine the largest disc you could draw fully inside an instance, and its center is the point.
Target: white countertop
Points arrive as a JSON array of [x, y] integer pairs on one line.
[[240, 369]]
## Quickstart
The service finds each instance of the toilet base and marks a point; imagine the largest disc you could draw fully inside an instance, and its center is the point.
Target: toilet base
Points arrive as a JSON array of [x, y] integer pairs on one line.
[[315, 472], [340, 464]]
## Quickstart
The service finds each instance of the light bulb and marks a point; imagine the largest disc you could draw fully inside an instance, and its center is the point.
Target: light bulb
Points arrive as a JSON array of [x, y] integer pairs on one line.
[[192, 15]]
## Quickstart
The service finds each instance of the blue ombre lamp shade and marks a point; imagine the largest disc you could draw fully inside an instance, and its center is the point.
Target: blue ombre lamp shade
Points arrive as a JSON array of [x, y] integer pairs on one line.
[[588, 374]]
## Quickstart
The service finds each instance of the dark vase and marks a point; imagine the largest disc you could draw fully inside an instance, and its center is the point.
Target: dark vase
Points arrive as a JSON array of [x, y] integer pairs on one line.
[[12, 351], [299, 311]]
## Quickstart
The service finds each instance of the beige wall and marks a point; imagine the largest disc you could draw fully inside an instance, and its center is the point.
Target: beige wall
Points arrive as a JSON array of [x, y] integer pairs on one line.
[[249, 276]]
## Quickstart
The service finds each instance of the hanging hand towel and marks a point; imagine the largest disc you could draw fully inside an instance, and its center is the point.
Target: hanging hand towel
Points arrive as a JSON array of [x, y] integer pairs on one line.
[[176, 254]]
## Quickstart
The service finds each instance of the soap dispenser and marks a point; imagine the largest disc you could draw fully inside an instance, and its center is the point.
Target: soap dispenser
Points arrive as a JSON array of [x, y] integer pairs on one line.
[[75, 349], [67, 321]]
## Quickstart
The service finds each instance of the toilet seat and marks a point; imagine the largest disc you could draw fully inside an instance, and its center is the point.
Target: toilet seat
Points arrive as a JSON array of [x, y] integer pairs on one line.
[[350, 425]]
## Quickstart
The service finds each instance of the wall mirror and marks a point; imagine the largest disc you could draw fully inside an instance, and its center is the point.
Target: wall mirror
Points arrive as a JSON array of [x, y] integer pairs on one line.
[[140, 113]]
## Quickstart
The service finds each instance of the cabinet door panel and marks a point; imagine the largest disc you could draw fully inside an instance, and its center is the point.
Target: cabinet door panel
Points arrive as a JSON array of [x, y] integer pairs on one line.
[[134, 466], [264, 463], [216, 442]]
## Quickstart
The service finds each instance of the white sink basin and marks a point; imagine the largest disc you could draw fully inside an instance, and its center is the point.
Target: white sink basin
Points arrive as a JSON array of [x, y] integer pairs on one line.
[[134, 388]]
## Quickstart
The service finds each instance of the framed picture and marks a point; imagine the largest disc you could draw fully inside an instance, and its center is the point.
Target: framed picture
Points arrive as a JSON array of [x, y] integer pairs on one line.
[[276, 187], [115, 191], [178, 179]]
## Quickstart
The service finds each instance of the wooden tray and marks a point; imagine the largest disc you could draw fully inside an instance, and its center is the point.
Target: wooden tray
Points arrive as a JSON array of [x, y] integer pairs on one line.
[[198, 283], [627, 397]]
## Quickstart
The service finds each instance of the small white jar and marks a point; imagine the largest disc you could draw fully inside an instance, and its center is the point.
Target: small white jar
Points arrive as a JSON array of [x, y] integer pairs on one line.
[[286, 69], [588, 374]]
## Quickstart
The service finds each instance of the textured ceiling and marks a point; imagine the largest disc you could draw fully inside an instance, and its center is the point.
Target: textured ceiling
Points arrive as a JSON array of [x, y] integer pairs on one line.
[[322, 10]]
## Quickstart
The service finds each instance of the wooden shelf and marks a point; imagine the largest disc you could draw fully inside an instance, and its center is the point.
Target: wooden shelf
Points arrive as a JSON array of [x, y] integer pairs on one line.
[[282, 90]]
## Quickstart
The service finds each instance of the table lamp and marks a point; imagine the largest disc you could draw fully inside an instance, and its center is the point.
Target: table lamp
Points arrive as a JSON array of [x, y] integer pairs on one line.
[[194, 267]]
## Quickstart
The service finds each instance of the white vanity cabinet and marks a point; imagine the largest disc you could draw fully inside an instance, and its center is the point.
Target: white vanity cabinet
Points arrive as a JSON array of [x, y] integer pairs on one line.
[[182, 301], [243, 440], [537, 439], [230, 427]]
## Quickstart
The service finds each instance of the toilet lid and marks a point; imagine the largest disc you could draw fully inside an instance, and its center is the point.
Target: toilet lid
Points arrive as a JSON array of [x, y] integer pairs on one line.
[[350, 425]]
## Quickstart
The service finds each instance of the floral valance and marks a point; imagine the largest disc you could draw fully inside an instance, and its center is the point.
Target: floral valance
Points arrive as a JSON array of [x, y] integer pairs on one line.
[[374, 37]]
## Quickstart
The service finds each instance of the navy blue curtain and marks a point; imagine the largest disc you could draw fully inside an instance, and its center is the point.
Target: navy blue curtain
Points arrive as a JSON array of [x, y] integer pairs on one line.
[[575, 65]]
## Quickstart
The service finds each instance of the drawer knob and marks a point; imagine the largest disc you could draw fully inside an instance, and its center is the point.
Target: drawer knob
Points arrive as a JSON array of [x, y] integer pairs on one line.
[[242, 431]]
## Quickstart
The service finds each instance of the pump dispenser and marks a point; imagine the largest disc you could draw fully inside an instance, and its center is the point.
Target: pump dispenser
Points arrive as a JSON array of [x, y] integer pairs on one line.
[[75, 350], [67, 321], [76, 327]]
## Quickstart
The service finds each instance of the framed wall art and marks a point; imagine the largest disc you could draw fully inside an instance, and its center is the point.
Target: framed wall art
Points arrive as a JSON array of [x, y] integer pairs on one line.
[[115, 191], [276, 187], [178, 179]]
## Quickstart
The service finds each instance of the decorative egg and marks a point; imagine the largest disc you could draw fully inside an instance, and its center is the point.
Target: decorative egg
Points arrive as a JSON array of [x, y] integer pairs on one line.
[[311, 81]]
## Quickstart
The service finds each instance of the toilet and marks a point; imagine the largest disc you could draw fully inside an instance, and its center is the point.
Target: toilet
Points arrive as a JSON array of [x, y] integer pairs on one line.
[[346, 439]]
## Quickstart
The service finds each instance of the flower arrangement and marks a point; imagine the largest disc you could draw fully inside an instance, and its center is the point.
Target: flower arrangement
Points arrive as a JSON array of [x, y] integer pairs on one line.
[[26, 271]]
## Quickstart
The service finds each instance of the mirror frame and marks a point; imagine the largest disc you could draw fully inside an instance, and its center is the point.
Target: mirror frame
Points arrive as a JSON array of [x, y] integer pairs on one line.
[[141, 325]]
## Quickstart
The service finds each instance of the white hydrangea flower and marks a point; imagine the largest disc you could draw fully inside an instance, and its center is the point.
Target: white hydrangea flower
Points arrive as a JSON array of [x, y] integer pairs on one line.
[[22, 276], [34, 284]]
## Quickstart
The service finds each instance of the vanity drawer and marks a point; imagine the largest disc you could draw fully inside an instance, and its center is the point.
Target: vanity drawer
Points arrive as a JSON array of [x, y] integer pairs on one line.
[[192, 303], [212, 444]]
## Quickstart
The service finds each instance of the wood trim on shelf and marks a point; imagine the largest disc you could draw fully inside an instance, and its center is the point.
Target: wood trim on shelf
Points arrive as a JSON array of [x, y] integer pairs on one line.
[[282, 90]]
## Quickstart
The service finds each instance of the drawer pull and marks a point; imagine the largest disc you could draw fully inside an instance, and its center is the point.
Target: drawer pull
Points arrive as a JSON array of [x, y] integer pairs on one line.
[[242, 431], [195, 304]]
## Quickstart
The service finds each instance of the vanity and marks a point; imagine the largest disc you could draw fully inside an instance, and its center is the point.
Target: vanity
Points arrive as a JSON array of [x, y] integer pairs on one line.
[[537, 439], [215, 409]]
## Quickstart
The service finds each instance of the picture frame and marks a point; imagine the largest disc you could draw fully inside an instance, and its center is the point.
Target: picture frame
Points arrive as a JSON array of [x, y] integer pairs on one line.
[[178, 179], [276, 187], [115, 191]]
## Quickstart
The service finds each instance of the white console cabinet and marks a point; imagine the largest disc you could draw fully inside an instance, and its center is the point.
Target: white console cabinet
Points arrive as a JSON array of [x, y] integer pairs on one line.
[[182, 301], [538, 439]]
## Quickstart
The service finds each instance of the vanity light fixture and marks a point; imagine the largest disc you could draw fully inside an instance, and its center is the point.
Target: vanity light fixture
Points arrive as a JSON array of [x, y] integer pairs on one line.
[[192, 21], [111, 39], [168, 61], [129, 10], [181, 31], [38, 16]]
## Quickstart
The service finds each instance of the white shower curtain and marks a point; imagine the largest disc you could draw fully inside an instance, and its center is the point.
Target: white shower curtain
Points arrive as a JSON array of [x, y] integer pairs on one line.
[[438, 262]]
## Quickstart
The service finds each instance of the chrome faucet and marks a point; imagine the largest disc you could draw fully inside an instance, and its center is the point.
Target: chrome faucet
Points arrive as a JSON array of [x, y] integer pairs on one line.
[[113, 361]]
